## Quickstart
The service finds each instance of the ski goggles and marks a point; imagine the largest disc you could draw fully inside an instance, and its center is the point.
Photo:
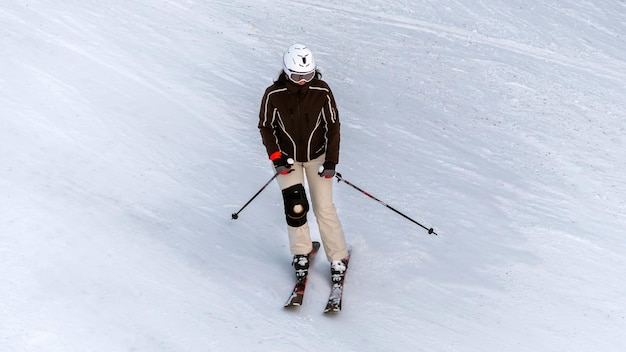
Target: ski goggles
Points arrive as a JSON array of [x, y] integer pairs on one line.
[[299, 76]]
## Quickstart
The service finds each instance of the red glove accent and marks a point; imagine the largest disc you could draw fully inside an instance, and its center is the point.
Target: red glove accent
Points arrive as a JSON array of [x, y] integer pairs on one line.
[[276, 155], [282, 162], [327, 170]]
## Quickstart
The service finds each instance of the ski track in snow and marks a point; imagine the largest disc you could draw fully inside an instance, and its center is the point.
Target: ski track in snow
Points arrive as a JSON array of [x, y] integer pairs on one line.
[[612, 68]]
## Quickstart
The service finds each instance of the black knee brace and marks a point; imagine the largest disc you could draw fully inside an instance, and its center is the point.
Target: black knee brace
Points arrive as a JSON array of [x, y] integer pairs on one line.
[[296, 205]]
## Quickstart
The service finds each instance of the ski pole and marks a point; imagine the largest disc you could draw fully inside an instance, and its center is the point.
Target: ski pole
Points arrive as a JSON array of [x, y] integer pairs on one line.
[[340, 178], [235, 216]]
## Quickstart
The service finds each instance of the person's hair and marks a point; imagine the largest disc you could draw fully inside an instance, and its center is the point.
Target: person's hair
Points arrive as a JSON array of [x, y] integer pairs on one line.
[[282, 77]]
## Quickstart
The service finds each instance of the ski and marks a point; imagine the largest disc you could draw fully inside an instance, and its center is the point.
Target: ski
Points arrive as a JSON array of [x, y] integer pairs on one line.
[[297, 295], [336, 292]]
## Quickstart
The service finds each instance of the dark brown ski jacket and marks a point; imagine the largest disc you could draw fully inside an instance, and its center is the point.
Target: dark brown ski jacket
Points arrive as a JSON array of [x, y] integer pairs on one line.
[[300, 121]]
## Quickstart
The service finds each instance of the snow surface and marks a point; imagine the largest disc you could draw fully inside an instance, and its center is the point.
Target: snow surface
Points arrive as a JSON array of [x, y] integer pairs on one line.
[[128, 138]]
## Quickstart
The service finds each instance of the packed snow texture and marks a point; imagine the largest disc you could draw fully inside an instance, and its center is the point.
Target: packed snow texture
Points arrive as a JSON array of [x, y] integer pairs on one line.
[[128, 138]]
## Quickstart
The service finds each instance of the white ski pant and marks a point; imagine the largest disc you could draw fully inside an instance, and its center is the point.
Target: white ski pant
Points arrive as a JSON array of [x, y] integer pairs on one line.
[[320, 190]]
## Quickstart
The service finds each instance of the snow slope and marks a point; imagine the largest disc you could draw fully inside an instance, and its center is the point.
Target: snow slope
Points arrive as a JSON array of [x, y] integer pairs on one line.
[[128, 137]]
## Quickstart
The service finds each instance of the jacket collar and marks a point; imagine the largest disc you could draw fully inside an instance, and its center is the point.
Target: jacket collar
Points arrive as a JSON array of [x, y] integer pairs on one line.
[[296, 88]]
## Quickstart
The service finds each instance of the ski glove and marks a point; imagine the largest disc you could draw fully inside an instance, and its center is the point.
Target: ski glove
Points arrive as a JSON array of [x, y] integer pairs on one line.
[[327, 170], [282, 163]]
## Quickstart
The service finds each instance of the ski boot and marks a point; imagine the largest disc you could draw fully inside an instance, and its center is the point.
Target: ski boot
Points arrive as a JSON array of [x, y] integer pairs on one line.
[[338, 270], [301, 265]]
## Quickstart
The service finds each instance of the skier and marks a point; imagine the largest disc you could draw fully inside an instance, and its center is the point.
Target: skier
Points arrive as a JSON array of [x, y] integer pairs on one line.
[[299, 127]]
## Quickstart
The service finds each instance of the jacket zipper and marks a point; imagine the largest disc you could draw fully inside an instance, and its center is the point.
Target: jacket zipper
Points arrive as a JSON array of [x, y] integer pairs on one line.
[[299, 128]]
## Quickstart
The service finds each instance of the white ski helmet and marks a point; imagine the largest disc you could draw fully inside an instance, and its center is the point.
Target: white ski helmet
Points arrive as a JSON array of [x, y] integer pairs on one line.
[[298, 59]]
